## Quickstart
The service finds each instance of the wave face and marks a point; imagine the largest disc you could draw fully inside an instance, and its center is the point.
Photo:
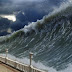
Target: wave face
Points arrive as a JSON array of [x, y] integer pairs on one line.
[[50, 39]]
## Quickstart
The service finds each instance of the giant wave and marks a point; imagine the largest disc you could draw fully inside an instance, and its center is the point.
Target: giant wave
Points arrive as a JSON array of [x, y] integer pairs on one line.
[[50, 39]]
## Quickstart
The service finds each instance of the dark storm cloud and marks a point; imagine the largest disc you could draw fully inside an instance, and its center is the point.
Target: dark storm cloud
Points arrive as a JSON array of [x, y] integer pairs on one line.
[[25, 11], [4, 26], [10, 6]]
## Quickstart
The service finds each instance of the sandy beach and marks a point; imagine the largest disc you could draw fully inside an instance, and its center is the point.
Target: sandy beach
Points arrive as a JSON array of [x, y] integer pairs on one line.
[[5, 68]]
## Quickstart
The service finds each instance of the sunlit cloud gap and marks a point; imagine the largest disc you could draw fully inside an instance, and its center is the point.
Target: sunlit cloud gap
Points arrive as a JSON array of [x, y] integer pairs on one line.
[[9, 17]]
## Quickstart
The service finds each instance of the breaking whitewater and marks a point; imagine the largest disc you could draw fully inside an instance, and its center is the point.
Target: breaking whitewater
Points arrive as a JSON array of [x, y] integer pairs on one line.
[[50, 39]]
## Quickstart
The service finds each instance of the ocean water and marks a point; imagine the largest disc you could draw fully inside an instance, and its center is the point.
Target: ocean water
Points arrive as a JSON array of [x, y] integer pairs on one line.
[[50, 39]]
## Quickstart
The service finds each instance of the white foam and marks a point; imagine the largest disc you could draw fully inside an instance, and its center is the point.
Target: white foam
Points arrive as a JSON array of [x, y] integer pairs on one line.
[[31, 26], [68, 69], [63, 6]]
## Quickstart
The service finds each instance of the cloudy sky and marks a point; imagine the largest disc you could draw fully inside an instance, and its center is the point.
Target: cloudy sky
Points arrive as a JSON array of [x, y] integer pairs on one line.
[[15, 14]]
